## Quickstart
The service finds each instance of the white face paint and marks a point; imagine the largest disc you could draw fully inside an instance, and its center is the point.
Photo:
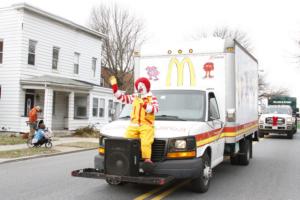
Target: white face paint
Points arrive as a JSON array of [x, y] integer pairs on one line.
[[142, 88]]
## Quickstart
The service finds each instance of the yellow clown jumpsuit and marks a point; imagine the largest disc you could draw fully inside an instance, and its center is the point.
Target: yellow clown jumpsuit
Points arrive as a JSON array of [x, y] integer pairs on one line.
[[142, 125]]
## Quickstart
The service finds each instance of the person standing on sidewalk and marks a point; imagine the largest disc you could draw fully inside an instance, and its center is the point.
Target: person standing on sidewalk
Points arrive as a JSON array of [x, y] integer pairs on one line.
[[33, 114]]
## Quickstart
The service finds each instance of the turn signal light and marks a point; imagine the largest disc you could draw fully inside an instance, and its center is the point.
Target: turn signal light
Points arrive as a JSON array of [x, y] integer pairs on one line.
[[188, 154], [101, 150]]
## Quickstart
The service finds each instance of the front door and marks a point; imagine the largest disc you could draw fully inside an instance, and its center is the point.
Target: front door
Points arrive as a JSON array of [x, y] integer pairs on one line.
[[29, 103], [216, 124]]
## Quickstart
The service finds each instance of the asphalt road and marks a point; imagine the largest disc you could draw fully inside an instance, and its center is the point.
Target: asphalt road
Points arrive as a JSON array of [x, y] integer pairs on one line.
[[274, 173]]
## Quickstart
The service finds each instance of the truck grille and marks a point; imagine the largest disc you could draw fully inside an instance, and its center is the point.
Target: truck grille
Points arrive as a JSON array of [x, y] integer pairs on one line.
[[158, 150], [269, 120]]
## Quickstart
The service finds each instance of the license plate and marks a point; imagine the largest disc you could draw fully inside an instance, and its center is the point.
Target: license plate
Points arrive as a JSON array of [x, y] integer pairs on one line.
[[274, 127]]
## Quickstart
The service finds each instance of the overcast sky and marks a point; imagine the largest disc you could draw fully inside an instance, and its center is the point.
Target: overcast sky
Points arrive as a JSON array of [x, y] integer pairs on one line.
[[273, 26]]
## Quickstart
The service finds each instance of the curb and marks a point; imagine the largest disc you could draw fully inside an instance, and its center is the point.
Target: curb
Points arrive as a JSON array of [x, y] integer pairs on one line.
[[45, 155]]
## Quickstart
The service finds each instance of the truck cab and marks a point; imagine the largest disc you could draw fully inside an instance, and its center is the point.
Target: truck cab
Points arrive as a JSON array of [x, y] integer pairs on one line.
[[277, 119], [183, 114]]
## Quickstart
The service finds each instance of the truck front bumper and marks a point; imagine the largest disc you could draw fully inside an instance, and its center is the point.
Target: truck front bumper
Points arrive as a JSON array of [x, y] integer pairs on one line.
[[278, 131], [185, 168]]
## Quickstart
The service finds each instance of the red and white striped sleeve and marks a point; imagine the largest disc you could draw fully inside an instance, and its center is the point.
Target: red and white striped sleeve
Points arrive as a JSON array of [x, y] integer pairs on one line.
[[152, 107], [127, 99]]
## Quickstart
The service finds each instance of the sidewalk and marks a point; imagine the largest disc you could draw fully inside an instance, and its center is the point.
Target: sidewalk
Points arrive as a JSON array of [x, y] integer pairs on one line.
[[55, 141]]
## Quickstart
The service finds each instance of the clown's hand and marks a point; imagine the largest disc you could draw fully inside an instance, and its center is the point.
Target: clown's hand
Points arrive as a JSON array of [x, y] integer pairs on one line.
[[113, 83]]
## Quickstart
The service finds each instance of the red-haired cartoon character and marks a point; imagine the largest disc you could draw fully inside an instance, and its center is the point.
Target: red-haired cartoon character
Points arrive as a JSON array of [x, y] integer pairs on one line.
[[208, 68], [152, 73]]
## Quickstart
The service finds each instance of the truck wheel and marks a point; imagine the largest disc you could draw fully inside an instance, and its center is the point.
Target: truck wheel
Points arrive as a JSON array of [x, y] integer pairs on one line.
[[245, 154], [234, 160], [290, 135], [201, 184], [113, 181], [261, 135]]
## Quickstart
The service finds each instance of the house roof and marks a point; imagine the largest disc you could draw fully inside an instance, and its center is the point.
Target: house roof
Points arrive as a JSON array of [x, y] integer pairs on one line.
[[56, 81], [59, 19]]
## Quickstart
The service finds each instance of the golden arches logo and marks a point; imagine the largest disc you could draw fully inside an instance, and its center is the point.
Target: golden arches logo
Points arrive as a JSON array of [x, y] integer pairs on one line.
[[180, 66]]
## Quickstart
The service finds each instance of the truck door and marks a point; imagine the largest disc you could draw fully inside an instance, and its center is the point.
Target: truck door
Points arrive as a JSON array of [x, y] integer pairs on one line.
[[215, 124]]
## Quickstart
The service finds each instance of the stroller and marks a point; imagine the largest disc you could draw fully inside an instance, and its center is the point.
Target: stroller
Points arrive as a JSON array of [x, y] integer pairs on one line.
[[46, 140]]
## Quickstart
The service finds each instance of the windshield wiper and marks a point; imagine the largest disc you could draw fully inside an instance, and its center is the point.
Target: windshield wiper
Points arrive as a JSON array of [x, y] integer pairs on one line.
[[169, 117]]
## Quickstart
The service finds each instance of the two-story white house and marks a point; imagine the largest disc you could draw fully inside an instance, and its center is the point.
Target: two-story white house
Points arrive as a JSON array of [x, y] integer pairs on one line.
[[52, 62]]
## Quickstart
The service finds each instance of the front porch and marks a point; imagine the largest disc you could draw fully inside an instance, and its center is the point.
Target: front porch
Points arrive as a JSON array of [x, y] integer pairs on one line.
[[65, 102]]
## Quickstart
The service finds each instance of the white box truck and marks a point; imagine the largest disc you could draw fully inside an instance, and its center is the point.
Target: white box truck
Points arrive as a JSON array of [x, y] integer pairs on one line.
[[207, 94]]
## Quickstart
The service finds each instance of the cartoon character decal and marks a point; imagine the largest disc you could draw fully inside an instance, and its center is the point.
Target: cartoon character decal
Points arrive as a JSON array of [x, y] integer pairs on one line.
[[152, 73], [208, 68]]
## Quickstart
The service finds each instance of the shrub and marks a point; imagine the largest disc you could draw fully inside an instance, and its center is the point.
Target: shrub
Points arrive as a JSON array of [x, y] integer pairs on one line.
[[88, 131]]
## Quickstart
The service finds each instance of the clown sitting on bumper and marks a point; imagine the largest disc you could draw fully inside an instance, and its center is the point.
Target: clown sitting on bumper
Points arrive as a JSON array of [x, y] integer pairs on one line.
[[144, 107]]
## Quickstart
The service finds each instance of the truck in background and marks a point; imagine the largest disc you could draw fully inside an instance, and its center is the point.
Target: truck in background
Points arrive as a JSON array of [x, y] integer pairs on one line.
[[290, 101], [207, 93], [277, 119]]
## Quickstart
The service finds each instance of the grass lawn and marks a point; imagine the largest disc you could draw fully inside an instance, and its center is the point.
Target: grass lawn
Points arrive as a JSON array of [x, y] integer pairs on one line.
[[81, 145], [26, 152], [8, 140]]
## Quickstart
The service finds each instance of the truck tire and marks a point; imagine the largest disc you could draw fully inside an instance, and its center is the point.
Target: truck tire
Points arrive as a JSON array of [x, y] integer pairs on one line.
[[201, 184], [245, 154], [234, 159], [290, 135], [261, 135], [112, 181]]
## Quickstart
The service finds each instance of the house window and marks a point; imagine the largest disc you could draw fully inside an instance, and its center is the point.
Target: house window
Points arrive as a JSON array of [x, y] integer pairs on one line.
[[110, 108], [102, 107], [55, 55], [94, 64], [76, 63], [1, 51], [31, 52], [95, 107], [80, 106]]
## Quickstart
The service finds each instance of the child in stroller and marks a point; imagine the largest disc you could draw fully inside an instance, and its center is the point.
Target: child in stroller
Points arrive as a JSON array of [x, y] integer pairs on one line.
[[41, 136]]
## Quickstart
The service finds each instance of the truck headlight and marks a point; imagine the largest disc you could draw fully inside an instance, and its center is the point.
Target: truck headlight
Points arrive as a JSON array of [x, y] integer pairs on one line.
[[180, 144], [182, 148], [102, 140], [261, 120], [289, 120]]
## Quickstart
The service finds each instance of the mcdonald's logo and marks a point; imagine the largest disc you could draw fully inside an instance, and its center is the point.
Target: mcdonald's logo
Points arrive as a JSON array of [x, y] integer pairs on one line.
[[180, 66]]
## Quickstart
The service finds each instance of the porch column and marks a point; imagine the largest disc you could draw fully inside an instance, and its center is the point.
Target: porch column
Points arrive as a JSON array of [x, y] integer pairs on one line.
[[71, 110], [48, 106]]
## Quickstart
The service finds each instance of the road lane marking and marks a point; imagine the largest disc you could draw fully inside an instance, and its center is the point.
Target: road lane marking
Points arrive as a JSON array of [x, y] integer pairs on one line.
[[151, 192], [171, 190]]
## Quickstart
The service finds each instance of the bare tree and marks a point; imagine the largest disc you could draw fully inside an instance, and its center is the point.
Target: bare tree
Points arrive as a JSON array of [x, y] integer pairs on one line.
[[264, 90], [227, 32], [124, 33]]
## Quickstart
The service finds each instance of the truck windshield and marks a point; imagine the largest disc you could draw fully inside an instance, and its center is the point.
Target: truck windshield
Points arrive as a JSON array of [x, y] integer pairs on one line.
[[278, 110], [176, 105]]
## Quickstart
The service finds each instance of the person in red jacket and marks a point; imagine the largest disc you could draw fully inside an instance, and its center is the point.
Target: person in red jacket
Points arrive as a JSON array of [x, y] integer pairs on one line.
[[144, 107], [33, 115]]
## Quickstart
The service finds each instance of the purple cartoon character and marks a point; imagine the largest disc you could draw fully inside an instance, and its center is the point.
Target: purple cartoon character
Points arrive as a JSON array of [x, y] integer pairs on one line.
[[152, 73]]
